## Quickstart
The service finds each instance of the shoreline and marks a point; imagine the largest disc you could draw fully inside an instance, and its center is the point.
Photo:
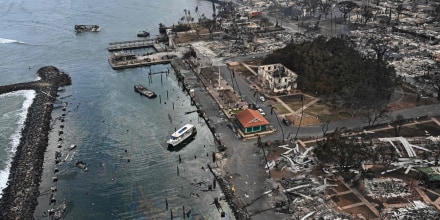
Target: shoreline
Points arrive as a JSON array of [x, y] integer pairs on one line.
[[19, 198], [239, 211]]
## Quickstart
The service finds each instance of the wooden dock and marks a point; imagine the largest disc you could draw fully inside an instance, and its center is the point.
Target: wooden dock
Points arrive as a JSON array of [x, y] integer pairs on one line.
[[134, 44]]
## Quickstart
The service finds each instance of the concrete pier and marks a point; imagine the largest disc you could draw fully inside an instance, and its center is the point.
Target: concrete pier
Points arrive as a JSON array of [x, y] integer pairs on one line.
[[122, 60], [135, 44], [117, 65]]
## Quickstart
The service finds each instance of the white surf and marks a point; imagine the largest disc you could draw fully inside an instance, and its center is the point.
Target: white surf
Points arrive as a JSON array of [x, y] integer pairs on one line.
[[9, 41]]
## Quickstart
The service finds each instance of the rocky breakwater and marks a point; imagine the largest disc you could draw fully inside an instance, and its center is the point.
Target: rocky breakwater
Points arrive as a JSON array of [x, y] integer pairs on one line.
[[19, 198]]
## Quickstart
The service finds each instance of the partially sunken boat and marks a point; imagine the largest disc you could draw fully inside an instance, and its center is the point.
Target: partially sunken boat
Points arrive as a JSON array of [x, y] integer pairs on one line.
[[143, 34], [181, 135], [79, 28], [144, 91]]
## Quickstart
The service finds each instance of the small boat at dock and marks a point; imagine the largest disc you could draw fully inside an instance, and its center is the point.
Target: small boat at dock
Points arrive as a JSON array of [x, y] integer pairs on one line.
[[144, 91], [181, 135]]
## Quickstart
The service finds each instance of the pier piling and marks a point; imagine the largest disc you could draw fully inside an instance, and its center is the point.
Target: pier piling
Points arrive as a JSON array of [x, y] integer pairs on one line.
[[169, 117], [184, 216]]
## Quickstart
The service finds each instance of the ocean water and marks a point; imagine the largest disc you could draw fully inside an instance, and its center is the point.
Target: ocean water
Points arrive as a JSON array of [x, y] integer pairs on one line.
[[13, 110], [119, 134]]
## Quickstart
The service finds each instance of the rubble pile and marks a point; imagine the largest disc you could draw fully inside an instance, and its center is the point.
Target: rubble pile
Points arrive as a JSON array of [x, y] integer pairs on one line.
[[387, 188], [293, 160], [419, 211], [409, 54], [412, 45], [234, 48], [304, 198]]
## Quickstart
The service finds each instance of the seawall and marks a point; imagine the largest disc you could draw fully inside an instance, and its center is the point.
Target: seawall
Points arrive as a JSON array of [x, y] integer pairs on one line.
[[20, 195]]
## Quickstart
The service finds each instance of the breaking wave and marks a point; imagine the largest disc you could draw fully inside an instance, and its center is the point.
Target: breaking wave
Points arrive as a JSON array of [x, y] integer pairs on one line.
[[9, 41], [15, 137]]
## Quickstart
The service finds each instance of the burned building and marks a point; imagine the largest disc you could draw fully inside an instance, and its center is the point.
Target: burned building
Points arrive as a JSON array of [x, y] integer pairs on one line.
[[277, 78]]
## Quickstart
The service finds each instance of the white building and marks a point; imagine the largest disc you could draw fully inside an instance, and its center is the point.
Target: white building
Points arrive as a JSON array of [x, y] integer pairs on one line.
[[277, 78]]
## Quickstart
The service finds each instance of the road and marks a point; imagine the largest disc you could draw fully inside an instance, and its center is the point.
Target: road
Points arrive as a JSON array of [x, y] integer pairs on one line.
[[244, 167], [247, 92], [245, 163]]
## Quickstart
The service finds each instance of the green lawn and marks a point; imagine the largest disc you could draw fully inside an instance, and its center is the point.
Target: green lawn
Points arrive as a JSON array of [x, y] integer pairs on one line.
[[320, 109], [294, 101], [280, 109]]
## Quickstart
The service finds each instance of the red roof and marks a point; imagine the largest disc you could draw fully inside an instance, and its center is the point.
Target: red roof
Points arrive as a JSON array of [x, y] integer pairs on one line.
[[256, 13], [251, 118]]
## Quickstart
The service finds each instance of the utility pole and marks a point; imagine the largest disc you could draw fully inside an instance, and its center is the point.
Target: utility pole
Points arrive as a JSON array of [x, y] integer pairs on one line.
[[218, 77], [272, 110], [302, 113]]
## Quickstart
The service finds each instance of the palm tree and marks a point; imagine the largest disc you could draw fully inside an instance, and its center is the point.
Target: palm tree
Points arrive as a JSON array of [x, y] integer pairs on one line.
[[264, 153], [272, 110], [302, 113], [256, 92]]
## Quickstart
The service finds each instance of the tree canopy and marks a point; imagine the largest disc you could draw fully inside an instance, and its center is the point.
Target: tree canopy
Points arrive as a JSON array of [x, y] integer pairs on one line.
[[346, 7], [344, 152], [333, 68]]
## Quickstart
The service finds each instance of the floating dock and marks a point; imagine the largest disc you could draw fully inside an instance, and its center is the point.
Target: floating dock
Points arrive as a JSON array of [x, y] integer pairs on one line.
[[135, 44]]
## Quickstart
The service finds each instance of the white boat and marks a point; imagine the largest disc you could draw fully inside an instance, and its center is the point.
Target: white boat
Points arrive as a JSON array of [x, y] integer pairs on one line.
[[184, 133]]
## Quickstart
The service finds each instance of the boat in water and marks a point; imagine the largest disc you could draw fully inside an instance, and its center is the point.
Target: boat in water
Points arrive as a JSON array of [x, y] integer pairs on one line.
[[144, 91], [143, 34], [181, 135], [79, 28]]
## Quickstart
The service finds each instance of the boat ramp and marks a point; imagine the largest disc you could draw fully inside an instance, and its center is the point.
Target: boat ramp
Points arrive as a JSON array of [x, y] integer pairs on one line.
[[135, 44]]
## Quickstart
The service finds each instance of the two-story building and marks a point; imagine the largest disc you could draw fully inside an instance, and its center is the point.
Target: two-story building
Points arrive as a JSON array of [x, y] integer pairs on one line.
[[277, 78]]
